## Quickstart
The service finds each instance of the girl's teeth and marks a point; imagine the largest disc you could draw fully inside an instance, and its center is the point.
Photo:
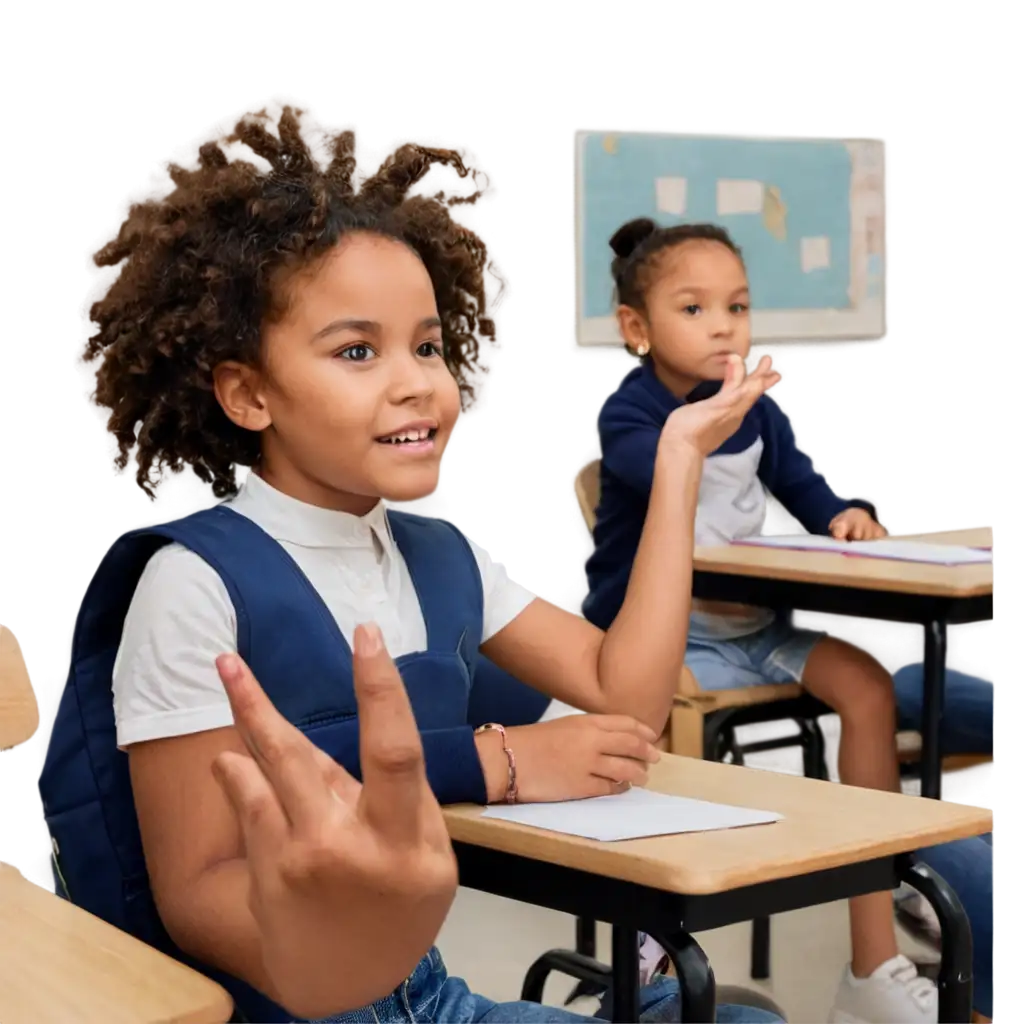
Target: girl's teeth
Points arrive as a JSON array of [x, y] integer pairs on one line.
[[409, 435]]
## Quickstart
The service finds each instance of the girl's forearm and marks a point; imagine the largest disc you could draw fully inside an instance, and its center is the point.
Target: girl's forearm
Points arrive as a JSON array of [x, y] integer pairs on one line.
[[320, 976], [643, 650], [213, 924]]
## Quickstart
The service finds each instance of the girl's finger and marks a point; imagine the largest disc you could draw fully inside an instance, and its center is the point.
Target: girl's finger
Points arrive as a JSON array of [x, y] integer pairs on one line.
[[628, 744], [338, 778], [621, 769], [395, 790], [283, 754], [623, 723], [252, 798], [735, 372]]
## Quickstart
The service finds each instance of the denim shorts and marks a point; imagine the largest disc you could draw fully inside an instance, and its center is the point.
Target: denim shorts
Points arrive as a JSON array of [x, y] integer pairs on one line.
[[776, 654]]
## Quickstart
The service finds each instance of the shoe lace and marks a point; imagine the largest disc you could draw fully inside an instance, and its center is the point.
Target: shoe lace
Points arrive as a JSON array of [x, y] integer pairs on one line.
[[921, 990]]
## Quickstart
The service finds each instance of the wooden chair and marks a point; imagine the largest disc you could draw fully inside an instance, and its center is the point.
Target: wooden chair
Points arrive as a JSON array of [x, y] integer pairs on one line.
[[59, 963]]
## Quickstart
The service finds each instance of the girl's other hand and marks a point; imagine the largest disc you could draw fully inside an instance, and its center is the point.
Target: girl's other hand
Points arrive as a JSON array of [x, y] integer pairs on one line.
[[856, 524], [570, 758], [707, 424]]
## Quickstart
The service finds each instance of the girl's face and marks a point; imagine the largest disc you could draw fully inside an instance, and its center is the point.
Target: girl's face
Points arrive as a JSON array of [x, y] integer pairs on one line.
[[355, 402], [697, 314]]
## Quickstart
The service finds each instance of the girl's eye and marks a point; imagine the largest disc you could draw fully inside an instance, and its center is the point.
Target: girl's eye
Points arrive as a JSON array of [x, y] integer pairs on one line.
[[431, 348], [739, 308], [691, 310], [358, 353]]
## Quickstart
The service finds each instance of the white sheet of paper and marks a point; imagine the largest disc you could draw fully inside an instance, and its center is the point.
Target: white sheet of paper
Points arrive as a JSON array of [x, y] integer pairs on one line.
[[895, 550], [670, 194], [635, 814], [739, 196], [815, 253]]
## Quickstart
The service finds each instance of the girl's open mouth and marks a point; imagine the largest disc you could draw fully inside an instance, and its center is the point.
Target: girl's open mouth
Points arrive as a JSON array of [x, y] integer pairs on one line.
[[415, 439]]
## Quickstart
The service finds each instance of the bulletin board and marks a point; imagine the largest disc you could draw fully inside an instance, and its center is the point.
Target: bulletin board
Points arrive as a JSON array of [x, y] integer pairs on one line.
[[809, 216]]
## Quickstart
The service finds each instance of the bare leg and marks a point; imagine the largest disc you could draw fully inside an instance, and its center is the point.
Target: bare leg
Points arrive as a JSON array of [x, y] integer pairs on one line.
[[861, 692]]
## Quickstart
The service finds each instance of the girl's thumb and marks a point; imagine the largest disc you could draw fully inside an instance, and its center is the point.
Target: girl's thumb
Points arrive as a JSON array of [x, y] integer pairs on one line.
[[734, 373]]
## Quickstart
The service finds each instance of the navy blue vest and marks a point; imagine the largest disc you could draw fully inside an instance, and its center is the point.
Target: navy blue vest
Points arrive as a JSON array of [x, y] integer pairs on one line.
[[290, 640]]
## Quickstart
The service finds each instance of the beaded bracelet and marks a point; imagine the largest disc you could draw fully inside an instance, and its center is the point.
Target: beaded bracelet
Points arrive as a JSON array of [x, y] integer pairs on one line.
[[513, 788]]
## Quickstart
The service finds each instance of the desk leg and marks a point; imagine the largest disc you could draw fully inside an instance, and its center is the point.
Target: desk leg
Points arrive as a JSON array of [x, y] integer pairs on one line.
[[625, 975], [696, 978], [933, 699], [956, 972]]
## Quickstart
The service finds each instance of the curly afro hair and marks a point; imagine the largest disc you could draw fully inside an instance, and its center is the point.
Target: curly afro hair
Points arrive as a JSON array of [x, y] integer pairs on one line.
[[203, 269]]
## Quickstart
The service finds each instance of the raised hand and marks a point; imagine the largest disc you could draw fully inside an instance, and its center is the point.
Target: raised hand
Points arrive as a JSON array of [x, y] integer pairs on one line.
[[333, 863], [707, 424]]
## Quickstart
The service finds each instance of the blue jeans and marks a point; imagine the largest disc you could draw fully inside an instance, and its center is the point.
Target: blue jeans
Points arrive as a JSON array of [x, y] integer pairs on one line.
[[430, 995], [967, 721]]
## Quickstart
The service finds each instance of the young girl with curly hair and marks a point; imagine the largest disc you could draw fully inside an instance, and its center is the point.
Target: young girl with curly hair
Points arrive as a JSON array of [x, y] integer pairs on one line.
[[281, 318]]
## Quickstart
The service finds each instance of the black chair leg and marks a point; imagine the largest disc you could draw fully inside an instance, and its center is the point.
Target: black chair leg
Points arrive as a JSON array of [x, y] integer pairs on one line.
[[955, 980], [720, 735], [586, 936], [594, 975], [812, 741], [761, 948], [696, 978], [586, 947]]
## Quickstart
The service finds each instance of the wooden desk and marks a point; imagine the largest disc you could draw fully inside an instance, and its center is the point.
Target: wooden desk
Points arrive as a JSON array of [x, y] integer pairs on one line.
[[934, 596], [833, 843], [61, 965]]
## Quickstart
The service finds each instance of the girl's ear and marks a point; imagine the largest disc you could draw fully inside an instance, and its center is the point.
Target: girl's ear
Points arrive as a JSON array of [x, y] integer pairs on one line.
[[633, 328], [239, 390]]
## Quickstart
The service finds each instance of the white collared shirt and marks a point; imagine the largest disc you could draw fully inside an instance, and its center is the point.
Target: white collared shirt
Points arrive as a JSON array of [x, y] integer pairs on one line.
[[181, 617]]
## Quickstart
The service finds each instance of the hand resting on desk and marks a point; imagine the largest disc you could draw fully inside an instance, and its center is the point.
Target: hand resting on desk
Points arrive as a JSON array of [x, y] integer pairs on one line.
[[569, 758], [856, 524]]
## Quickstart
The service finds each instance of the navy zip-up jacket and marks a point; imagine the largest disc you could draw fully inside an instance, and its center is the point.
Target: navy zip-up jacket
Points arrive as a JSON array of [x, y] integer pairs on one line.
[[760, 458]]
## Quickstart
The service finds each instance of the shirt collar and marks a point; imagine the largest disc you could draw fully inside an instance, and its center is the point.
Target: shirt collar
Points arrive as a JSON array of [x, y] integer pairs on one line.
[[295, 522]]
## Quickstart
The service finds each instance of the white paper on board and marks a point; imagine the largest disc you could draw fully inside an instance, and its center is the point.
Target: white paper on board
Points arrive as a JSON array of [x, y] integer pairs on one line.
[[670, 194], [739, 196], [815, 253]]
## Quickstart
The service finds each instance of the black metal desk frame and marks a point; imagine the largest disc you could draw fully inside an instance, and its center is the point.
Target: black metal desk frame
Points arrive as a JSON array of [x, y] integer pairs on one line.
[[673, 918]]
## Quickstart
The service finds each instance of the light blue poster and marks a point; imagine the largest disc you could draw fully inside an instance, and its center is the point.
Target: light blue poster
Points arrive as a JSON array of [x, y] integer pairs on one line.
[[808, 215]]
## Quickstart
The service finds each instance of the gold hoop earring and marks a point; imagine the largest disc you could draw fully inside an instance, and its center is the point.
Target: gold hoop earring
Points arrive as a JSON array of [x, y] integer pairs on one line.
[[643, 348]]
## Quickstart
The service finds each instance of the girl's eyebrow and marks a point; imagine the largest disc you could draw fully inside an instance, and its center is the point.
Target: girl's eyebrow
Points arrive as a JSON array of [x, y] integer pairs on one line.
[[366, 326], [693, 289]]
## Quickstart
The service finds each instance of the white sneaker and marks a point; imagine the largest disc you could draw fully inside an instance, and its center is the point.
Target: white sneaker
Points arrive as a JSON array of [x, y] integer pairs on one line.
[[893, 994]]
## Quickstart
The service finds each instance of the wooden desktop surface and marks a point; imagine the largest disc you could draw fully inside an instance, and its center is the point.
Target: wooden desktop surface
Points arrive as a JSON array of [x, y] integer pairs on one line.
[[61, 965], [863, 573], [825, 825]]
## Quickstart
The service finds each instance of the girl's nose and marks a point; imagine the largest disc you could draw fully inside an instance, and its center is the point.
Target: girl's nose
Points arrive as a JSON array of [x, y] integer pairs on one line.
[[410, 380]]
